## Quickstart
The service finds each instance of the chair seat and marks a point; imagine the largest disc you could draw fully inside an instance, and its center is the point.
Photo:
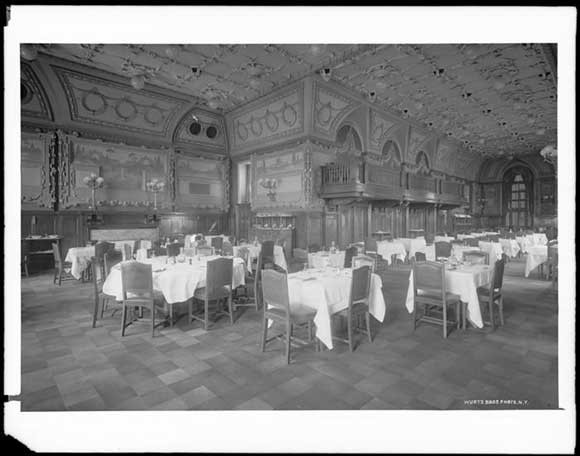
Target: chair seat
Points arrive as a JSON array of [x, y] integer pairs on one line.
[[431, 296], [483, 292], [223, 292], [298, 314]]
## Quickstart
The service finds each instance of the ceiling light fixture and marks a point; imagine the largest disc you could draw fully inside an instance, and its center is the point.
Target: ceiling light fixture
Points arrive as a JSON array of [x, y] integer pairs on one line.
[[326, 73], [138, 81], [372, 96], [213, 103], [196, 71], [317, 49]]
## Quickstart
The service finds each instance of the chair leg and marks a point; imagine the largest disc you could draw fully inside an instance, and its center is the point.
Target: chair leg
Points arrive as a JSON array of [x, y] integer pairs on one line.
[[501, 310], [349, 330], [153, 318], [491, 316], [264, 334], [96, 309], [288, 337], [206, 314], [415, 317], [458, 314], [464, 314], [170, 315], [445, 320], [231, 309], [190, 309], [310, 331], [368, 322], [123, 320]]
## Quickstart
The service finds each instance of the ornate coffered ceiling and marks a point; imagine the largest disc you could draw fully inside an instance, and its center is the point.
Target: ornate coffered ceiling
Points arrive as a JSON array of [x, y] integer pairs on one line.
[[497, 99]]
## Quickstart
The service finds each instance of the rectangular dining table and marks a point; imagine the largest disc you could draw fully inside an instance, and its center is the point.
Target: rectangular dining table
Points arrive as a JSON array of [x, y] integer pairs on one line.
[[463, 281], [176, 281], [328, 292], [536, 256], [413, 245]]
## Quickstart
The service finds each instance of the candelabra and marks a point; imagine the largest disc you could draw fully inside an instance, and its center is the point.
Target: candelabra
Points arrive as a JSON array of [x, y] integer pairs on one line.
[[93, 182], [154, 186], [270, 185]]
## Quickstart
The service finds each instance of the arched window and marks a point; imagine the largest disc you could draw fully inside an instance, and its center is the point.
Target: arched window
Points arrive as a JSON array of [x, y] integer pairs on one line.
[[390, 155], [345, 134], [518, 198]]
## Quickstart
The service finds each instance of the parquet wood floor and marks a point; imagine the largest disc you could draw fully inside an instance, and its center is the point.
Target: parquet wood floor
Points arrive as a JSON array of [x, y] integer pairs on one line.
[[67, 365]]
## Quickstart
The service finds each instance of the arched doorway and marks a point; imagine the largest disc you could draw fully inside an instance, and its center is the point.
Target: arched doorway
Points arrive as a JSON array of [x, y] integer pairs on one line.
[[517, 198]]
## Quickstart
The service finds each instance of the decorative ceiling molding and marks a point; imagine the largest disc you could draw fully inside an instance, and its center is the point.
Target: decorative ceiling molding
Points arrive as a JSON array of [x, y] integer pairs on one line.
[[492, 99], [201, 128], [102, 102], [33, 98]]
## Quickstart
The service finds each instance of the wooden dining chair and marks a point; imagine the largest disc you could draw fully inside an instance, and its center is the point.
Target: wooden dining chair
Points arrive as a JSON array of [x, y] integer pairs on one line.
[[137, 293], [430, 292], [267, 252], [204, 250], [349, 254], [300, 258], [242, 297], [62, 269], [492, 294], [217, 244], [174, 249], [313, 248], [420, 256], [101, 248], [101, 301], [442, 249], [277, 308], [227, 249], [552, 260], [370, 246], [475, 257], [358, 306], [363, 260], [471, 242], [218, 287], [127, 254], [24, 256]]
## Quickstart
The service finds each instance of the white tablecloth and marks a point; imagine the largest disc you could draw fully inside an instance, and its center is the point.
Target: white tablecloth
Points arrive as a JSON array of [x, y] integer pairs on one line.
[[536, 255], [178, 281], [444, 238], [329, 293], [457, 250], [528, 240], [279, 258], [464, 282], [80, 258], [430, 252], [413, 245], [493, 249], [322, 260], [510, 247], [388, 248], [119, 246]]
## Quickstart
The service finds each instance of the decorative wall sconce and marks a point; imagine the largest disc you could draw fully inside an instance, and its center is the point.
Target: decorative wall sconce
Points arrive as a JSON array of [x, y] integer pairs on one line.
[[550, 154], [93, 182], [155, 186], [270, 185]]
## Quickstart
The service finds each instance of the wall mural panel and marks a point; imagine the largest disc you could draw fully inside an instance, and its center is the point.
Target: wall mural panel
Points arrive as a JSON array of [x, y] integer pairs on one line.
[[329, 109], [279, 179], [277, 118], [106, 103], [125, 169], [381, 127], [201, 183], [35, 169]]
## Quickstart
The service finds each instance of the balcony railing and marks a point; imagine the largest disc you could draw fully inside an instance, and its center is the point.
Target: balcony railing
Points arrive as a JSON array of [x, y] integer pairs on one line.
[[342, 173]]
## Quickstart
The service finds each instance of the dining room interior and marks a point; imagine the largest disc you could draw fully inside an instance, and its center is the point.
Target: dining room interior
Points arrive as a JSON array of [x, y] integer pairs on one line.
[[289, 226]]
